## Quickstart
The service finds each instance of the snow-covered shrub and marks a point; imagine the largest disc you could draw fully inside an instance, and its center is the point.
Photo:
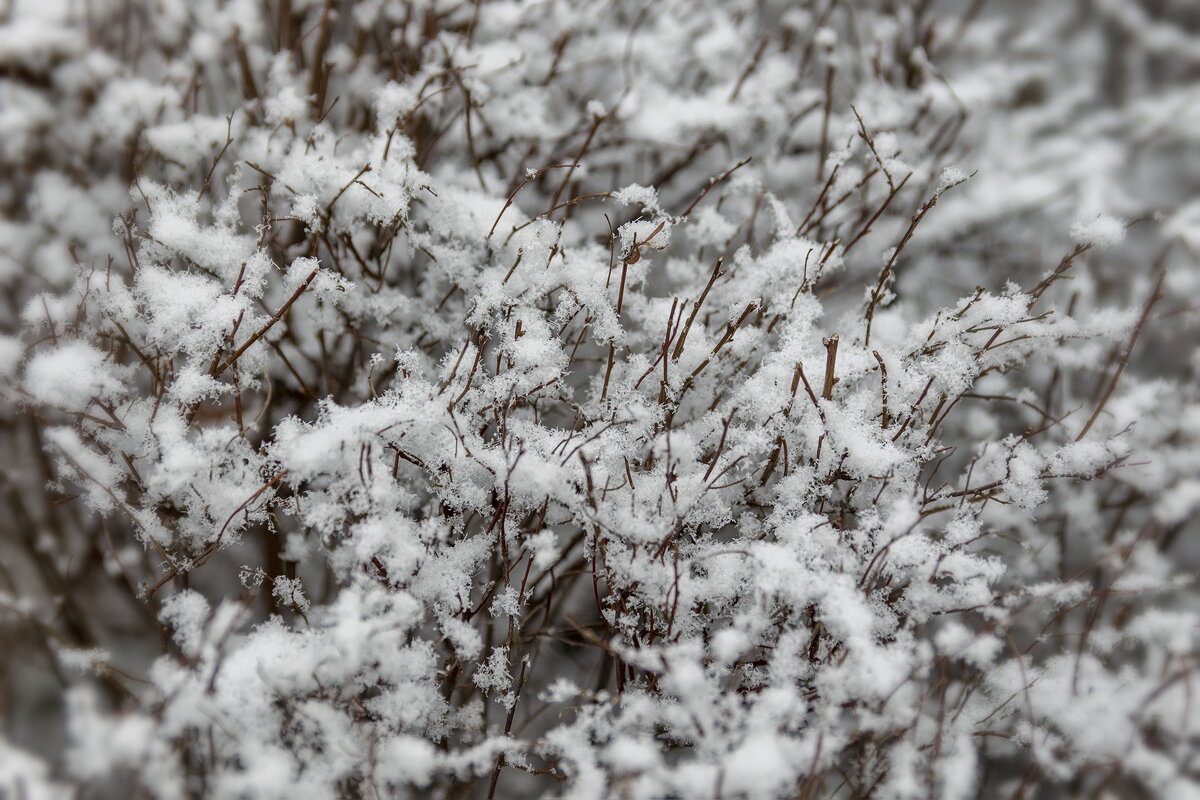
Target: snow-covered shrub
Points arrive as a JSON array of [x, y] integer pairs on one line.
[[706, 399]]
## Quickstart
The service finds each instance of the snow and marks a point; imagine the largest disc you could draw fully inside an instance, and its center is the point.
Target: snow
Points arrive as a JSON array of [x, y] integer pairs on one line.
[[70, 376], [1100, 231], [616, 400], [23, 774]]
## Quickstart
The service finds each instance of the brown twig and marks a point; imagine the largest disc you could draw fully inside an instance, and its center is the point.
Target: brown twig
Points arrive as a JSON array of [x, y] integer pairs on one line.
[[1155, 296]]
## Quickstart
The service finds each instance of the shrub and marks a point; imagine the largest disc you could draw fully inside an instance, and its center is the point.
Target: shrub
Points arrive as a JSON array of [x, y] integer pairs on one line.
[[504, 399]]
